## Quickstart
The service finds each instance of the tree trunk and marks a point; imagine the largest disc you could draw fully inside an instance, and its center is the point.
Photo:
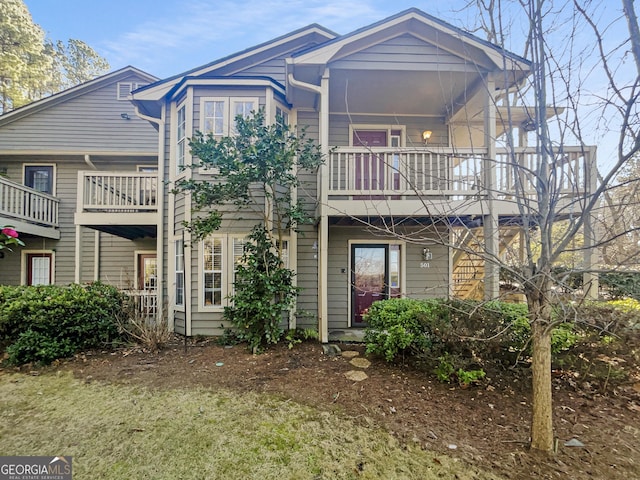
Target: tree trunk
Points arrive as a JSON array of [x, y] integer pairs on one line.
[[542, 419]]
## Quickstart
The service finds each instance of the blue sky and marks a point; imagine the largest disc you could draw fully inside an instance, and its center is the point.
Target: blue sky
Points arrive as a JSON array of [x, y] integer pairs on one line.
[[166, 37]]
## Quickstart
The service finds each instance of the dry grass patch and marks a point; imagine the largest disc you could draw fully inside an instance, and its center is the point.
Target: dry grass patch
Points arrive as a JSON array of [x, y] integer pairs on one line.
[[116, 432]]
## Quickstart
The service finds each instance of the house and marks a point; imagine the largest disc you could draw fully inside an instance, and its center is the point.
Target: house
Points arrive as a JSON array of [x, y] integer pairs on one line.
[[78, 180], [408, 113]]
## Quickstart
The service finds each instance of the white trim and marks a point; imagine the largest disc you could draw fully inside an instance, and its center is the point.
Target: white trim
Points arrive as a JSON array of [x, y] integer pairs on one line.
[[172, 277], [225, 272], [136, 254], [24, 276], [243, 82], [225, 116], [79, 153], [371, 127], [42, 164], [373, 241]]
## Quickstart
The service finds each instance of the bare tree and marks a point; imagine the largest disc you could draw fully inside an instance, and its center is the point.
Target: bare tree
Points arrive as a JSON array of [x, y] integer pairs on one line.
[[557, 183]]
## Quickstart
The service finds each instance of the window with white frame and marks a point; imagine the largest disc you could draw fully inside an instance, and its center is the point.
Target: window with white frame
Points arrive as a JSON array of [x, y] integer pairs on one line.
[[179, 267], [181, 138], [213, 115], [282, 116], [220, 257], [218, 113], [212, 271]]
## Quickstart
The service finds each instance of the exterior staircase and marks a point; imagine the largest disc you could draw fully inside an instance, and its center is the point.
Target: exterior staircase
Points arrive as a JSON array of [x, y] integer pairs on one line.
[[468, 264]]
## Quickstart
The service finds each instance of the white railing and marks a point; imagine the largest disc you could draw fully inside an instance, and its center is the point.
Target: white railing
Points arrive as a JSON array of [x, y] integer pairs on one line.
[[455, 173], [117, 191], [403, 171], [566, 172], [145, 302], [24, 203]]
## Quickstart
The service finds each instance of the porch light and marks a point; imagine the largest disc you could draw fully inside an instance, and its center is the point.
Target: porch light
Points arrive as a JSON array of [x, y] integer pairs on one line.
[[426, 254], [426, 135], [125, 116]]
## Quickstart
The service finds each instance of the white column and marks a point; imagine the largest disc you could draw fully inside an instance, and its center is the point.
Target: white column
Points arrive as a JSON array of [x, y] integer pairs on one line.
[[491, 226], [323, 227], [78, 253]]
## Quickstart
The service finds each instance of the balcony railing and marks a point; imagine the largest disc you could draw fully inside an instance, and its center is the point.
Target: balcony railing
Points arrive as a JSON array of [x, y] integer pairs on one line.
[[117, 191], [26, 204], [398, 173]]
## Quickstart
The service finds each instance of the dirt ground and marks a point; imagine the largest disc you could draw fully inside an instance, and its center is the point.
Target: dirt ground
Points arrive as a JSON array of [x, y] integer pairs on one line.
[[486, 425]]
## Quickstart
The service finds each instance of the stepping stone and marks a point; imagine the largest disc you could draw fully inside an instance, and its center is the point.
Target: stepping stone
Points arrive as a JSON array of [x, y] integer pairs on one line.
[[360, 362], [331, 349], [574, 442], [350, 353], [356, 375]]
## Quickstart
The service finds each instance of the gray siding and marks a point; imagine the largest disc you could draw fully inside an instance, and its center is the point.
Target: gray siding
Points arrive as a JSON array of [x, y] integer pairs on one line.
[[404, 52], [414, 126], [117, 262], [87, 123], [420, 282]]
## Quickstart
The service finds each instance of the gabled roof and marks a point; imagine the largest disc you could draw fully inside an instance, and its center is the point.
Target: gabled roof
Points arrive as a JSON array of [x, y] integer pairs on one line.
[[73, 92], [414, 19], [259, 52]]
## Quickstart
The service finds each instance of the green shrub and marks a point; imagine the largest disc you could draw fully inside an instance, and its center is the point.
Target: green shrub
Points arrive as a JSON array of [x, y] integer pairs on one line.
[[400, 325], [467, 377], [622, 284], [264, 293], [42, 323]]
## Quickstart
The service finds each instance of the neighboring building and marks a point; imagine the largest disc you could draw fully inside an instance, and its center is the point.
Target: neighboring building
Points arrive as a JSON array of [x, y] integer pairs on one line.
[[78, 180], [407, 113]]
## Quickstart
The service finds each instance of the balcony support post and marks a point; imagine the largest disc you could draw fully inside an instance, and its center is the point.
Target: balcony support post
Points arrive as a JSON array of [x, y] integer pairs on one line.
[[78, 254], [490, 220], [590, 278]]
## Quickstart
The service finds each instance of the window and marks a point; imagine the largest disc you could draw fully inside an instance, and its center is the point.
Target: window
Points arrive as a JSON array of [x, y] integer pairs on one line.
[[38, 267], [181, 138], [219, 260], [282, 116], [212, 271], [179, 257], [125, 88], [39, 177], [218, 113], [213, 113]]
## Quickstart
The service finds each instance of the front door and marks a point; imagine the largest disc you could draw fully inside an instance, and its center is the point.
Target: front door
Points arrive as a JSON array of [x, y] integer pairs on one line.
[[147, 271], [369, 167], [39, 268]]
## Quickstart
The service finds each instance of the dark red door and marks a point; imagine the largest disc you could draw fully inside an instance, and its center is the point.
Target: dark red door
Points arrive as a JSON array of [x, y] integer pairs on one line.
[[369, 166]]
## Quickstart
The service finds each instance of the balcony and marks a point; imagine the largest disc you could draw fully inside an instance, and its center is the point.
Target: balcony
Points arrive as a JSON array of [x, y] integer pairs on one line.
[[445, 181], [120, 203], [28, 210]]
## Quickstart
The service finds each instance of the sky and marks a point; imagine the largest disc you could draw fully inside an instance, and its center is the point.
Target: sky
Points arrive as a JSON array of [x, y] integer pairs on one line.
[[167, 37]]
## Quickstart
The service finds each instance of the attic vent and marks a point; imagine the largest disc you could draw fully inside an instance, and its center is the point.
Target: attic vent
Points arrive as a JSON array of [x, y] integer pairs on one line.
[[125, 88]]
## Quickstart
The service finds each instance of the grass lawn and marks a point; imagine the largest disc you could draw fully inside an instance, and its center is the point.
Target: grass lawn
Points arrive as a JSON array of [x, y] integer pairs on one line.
[[124, 432]]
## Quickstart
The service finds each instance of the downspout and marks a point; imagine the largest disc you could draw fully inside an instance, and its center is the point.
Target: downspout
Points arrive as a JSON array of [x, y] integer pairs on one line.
[[160, 202]]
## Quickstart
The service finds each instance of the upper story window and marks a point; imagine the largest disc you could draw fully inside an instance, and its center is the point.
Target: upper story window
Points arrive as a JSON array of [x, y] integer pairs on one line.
[[218, 113], [282, 116], [39, 177], [181, 138]]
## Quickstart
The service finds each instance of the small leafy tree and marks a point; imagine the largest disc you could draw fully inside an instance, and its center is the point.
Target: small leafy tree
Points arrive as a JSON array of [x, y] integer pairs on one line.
[[264, 292], [257, 171]]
